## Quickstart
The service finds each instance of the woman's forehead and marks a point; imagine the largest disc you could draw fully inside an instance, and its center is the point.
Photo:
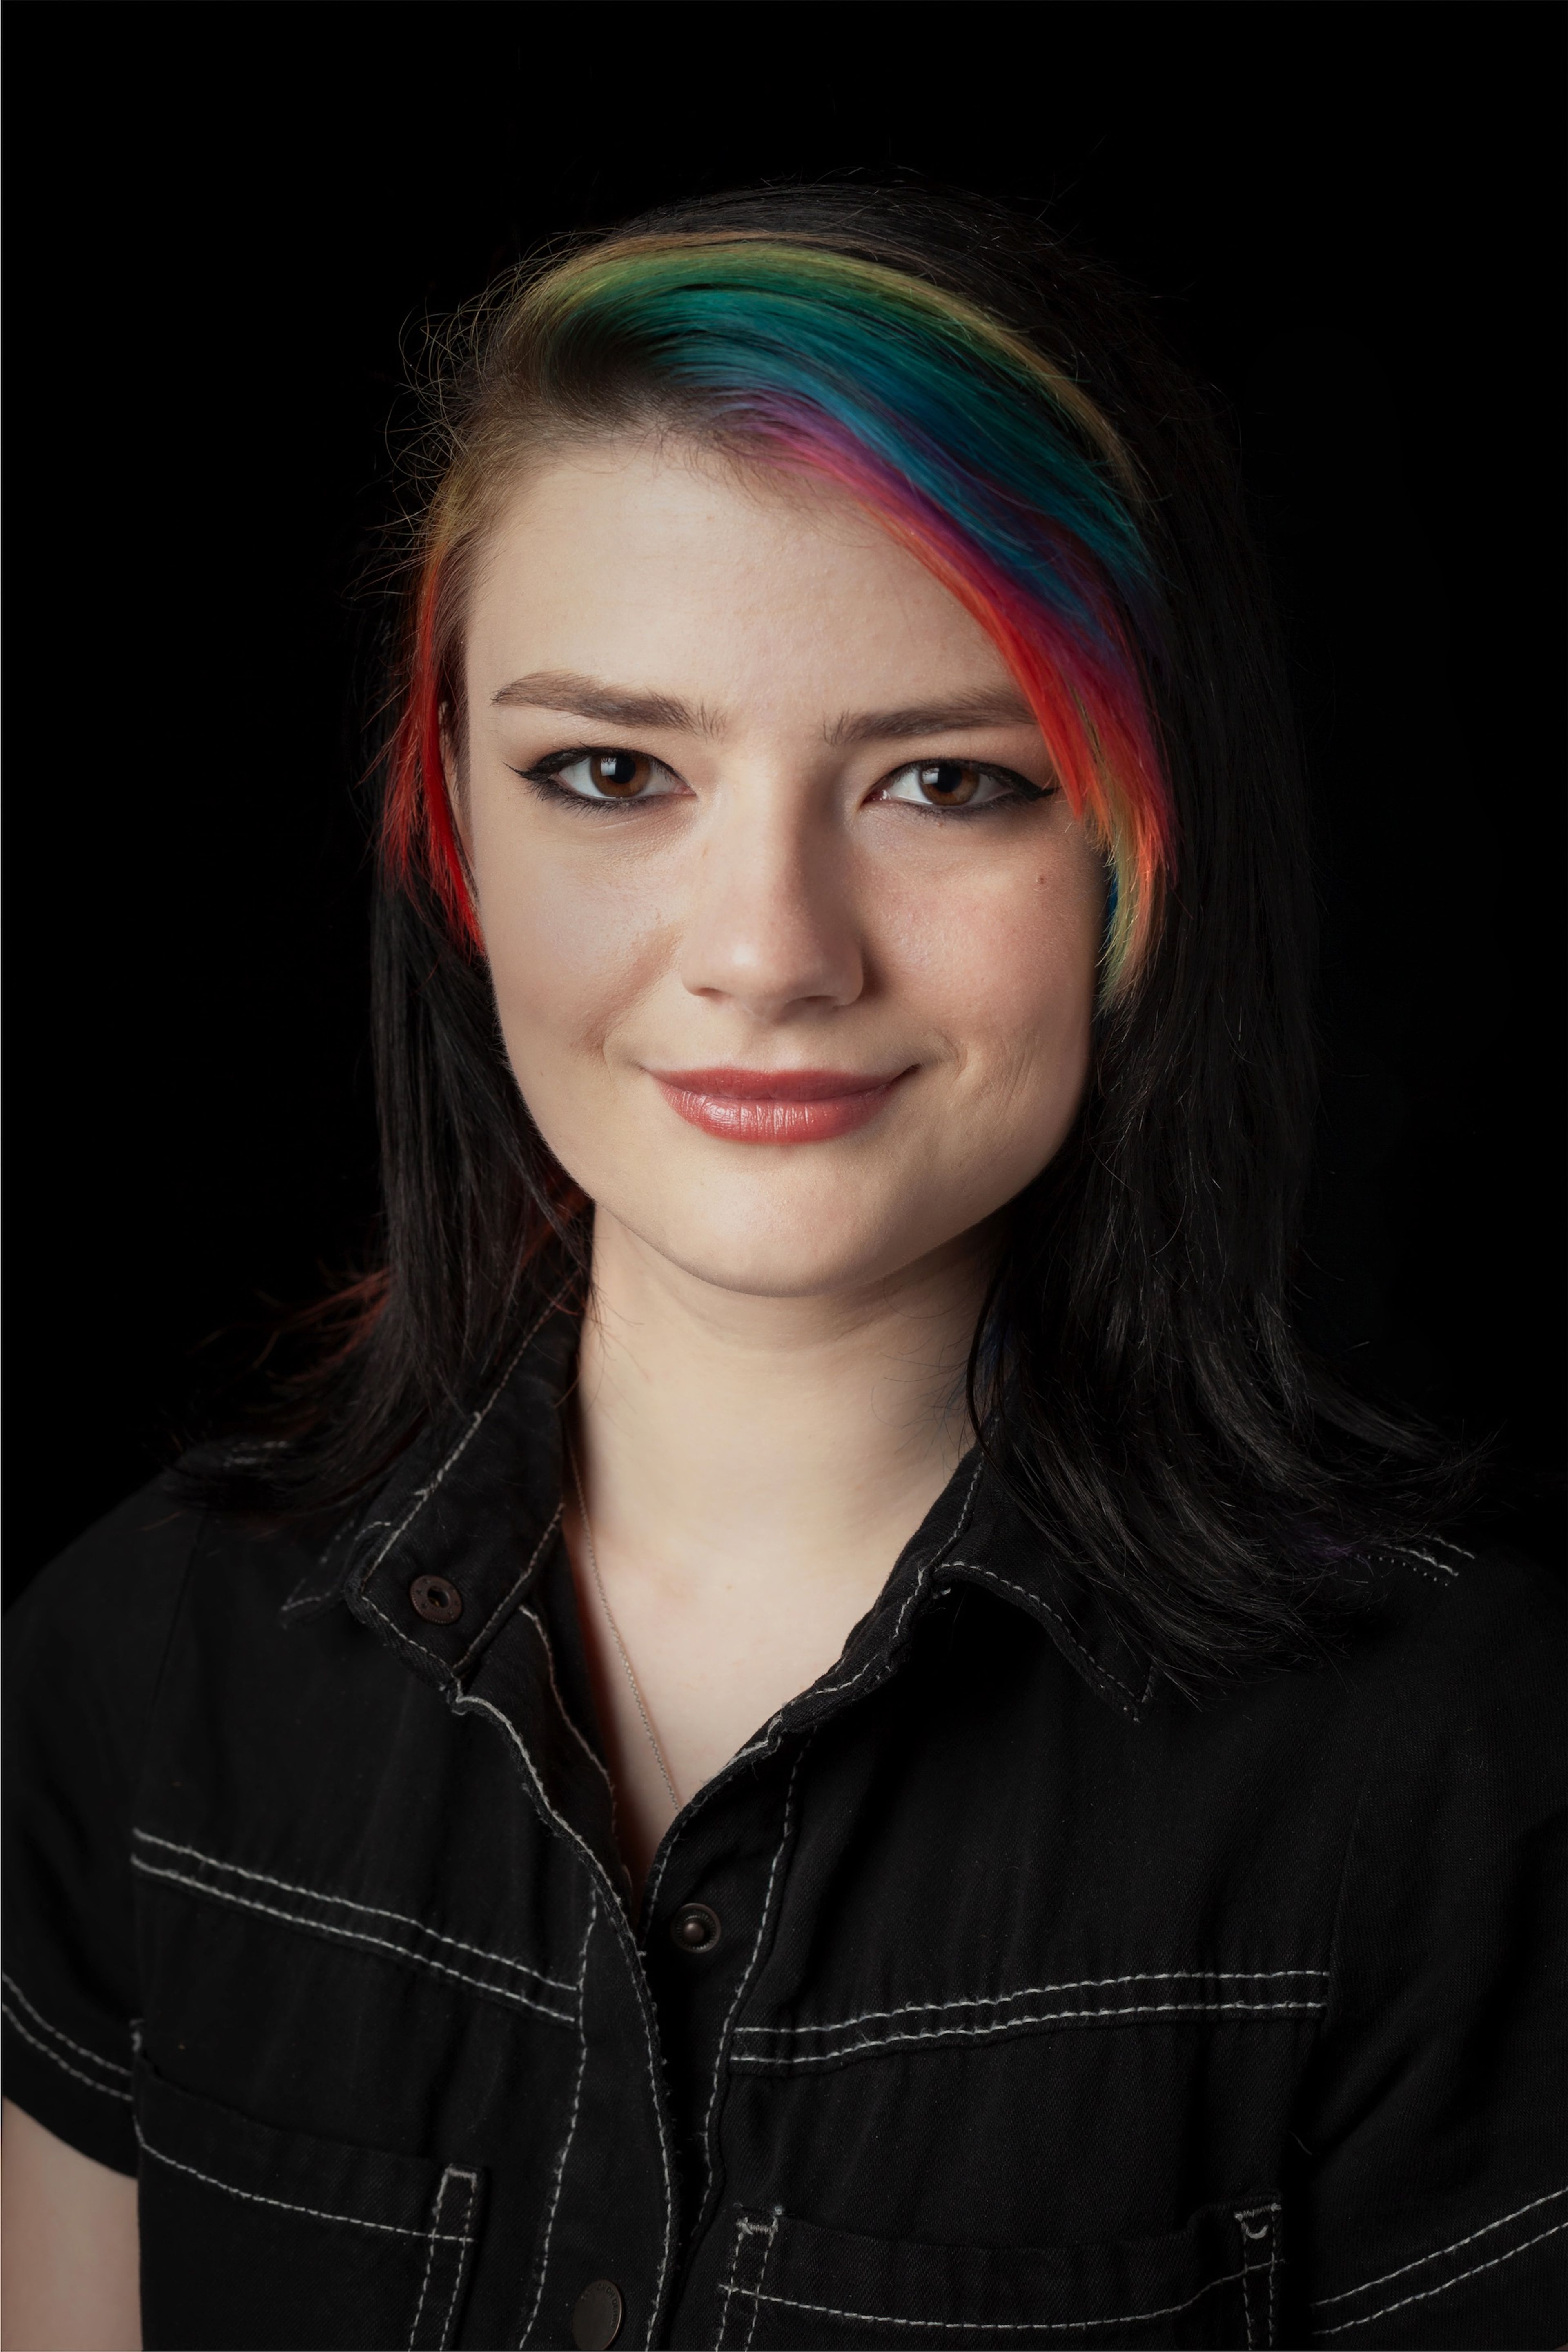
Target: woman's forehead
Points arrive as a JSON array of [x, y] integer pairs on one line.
[[634, 559]]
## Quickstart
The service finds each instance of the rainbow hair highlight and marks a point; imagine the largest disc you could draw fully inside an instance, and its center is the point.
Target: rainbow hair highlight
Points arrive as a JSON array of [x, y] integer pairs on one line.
[[987, 463]]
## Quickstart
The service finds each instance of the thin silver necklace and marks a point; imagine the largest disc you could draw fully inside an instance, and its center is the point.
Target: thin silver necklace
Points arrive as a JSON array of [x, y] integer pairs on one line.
[[616, 1631]]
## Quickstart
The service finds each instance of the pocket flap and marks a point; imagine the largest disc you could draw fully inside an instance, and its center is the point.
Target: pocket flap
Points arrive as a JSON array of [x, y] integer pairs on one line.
[[1213, 2282]]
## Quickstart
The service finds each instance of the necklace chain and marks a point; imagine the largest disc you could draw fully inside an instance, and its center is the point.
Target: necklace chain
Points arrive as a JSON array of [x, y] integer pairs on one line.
[[615, 1631]]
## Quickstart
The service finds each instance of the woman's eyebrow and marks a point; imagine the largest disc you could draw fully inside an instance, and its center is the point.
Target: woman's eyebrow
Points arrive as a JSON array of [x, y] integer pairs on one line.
[[986, 707], [594, 697]]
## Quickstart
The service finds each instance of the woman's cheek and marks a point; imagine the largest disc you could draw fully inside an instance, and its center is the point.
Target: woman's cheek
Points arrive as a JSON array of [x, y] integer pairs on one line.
[[567, 955], [1007, 968]]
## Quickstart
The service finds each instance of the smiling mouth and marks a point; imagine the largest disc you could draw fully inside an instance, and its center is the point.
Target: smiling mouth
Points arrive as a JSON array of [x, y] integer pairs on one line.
[[777, 1106]]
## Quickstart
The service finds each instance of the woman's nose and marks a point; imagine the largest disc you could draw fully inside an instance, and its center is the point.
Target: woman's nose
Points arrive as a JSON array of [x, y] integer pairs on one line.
[[771, 922]]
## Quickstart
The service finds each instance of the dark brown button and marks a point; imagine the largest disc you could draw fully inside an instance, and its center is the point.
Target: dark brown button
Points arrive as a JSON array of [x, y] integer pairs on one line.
[[596, 2316], [435, 1597], [695, 1928]]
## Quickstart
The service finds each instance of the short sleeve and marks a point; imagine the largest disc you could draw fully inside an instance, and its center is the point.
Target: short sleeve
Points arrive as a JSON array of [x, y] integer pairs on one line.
[[83, 1650], [1435, 2206]]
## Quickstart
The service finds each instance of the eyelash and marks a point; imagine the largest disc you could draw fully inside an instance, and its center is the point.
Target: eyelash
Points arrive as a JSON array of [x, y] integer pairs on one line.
[[541, 777]]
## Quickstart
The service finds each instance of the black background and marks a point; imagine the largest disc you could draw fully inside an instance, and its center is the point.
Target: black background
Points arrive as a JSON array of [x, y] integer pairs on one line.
[[224, 220]]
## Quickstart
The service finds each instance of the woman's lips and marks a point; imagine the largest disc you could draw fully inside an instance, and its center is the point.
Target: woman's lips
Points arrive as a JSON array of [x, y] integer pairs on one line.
[[777, 1105]]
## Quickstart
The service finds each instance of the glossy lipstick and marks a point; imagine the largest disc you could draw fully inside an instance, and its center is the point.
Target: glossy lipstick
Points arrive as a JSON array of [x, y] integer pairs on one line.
[[777, 1105]]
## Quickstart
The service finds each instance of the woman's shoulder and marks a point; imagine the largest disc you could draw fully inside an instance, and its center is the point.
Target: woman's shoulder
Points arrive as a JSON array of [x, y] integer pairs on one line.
[[1440, 1684], [1450, 1626], [106, 1607], [1440, 1724], [1424, 1734], [109, 1599]]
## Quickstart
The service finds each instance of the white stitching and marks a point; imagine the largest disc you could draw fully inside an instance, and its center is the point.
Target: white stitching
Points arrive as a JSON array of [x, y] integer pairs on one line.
[[1038, 2017], [1442, 1566], [422, 1495], [109, 2065], [429, 2257], [465, 1704], [107, 2090], [1340, 2326], [502, 1606], [1035, 1992], [1246, 2301], [762, 2275], [1035, 1600], [346, 1903], [596, 1761], [831, 1690], [1267, 2217], [998, 2327], [1407, 1556], [417, 1654], [650, 1891], [571, 2131], [353, 1936], [731, 2286], [476, 1423], [1323, 2302], [745, 1984], [347, 1535], [472, 2181], [315, 2213]]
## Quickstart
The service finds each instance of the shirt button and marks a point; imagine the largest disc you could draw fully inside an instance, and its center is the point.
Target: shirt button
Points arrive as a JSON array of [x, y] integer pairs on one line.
[[596, 2316], [695, 1928], [435, 1597]]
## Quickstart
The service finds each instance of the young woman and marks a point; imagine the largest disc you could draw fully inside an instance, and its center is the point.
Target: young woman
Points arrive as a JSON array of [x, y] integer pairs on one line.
[[818, 1732]]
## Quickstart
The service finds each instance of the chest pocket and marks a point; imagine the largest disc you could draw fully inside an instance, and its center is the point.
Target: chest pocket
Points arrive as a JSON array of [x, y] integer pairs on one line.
[[1214, 2282], [272, 2239]]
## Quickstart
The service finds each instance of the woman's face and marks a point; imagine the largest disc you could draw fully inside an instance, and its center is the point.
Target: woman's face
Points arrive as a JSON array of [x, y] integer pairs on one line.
[[793, 941]]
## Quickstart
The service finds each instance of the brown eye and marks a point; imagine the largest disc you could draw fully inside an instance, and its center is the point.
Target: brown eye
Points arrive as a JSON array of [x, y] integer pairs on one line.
[[949, 783], [607, 778], [955, 784], [620, 775]]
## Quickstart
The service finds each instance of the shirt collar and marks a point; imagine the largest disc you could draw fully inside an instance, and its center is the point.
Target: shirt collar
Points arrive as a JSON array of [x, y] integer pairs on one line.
[[476, 1506], [471, 1506], [1003, 1551]]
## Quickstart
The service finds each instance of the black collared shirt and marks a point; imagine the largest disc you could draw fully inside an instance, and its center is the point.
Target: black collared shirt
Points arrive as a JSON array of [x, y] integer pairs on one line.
[[1025, 2004]]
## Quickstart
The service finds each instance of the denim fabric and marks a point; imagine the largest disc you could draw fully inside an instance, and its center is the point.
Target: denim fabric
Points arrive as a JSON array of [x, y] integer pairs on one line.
[[1044, 2009]]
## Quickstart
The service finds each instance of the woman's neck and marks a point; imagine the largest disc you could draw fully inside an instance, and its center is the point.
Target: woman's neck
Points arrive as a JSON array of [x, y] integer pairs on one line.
[[770, 1438]]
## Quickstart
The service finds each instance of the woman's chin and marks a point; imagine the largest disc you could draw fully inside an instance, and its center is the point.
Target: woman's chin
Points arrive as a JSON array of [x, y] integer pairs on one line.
[[816, 1257]]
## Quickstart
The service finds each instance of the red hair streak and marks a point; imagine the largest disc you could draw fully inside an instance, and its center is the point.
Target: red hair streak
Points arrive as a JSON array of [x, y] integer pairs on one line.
[[419, 836]]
